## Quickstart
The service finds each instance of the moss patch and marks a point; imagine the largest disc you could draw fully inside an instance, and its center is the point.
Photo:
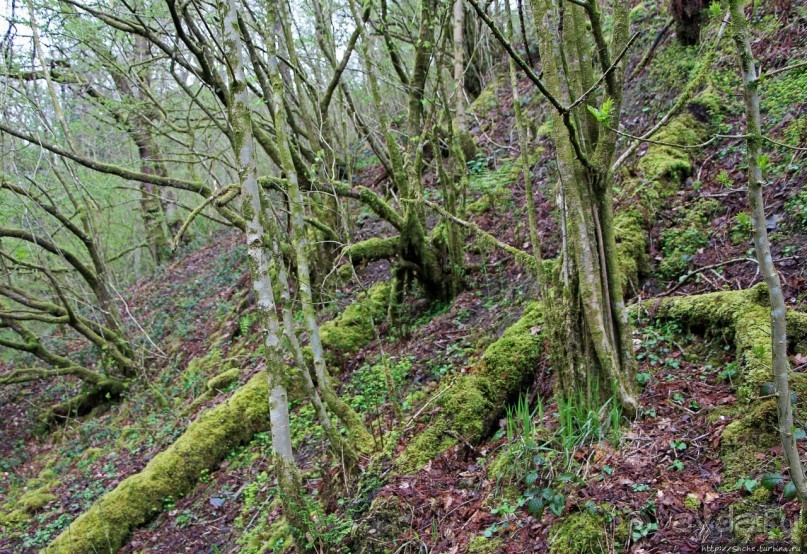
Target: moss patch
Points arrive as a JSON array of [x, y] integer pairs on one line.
[[223, 379], [484, 545], [631, 246], [661, 171], [352, 330], [586, 533], [33, 501], [372, 249], [172, 473]]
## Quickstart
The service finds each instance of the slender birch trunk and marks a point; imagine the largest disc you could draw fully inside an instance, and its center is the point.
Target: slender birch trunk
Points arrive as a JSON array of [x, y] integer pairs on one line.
[[240, 120], [762, 247]]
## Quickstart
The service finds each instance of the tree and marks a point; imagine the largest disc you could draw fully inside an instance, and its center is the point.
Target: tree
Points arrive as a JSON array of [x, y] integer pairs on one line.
[[688, 16], [756, 160], [593, 352]]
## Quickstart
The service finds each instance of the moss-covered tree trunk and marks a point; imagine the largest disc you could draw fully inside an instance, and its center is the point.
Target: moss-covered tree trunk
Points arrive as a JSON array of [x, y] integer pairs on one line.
[[357, 432], [593, 350], [420, 257]]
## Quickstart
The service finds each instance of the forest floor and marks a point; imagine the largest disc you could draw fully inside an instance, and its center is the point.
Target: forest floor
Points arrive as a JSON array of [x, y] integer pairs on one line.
[[660, 483]]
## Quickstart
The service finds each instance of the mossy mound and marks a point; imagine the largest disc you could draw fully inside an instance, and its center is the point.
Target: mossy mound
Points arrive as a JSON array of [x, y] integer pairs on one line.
[[172, 473], [472, 406], [353, 329], [665, 162], [660, 173], [484, 545], [223, 379], [33, 501], [587, 532]]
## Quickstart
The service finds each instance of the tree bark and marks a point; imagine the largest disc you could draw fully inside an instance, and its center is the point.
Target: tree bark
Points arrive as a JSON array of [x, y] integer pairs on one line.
[[762, 248]]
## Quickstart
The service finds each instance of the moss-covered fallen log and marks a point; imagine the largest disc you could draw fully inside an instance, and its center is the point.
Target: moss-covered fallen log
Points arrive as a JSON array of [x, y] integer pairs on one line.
[[744, 317], [353, 329], [85, 401], [473, 404], [172, 473]]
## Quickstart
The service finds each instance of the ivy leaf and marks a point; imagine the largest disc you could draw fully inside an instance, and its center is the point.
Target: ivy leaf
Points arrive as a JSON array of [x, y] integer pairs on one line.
[[790, 491], [771, 480]]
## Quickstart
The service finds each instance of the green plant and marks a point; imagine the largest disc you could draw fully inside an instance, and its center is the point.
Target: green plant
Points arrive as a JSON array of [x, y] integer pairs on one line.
[[478, 164], [378, 383], [746, 483], [730, 372], [678, 445], [581, 422], [643, 530], [796, 209], [169, 504], [185, 519], [643, 378], [742, 229]]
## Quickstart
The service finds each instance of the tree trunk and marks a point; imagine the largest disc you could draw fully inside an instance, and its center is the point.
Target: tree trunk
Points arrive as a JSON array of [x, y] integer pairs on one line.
[[243, 147], [589, 323], [762, 248], [688, 17]]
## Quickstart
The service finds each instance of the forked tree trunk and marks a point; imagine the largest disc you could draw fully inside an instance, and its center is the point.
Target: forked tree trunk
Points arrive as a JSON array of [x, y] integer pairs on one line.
[[594, 352]]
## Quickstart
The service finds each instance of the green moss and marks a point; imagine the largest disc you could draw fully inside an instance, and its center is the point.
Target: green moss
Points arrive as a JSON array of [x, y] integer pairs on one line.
[[753, 516], [484, 545], [661, 171], [692, 502], [275, 537], [586, 533], [372, 249], [631, 245], [669, 165], [91, 454], [472, 406], [638, 12], [745, 321], [680, 243], [352, 330], [488, 98], [224, 379], [708, 99], [33, 501], [388, 519], [480, 205], [172, 473], [744, 318], [15, 517]]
